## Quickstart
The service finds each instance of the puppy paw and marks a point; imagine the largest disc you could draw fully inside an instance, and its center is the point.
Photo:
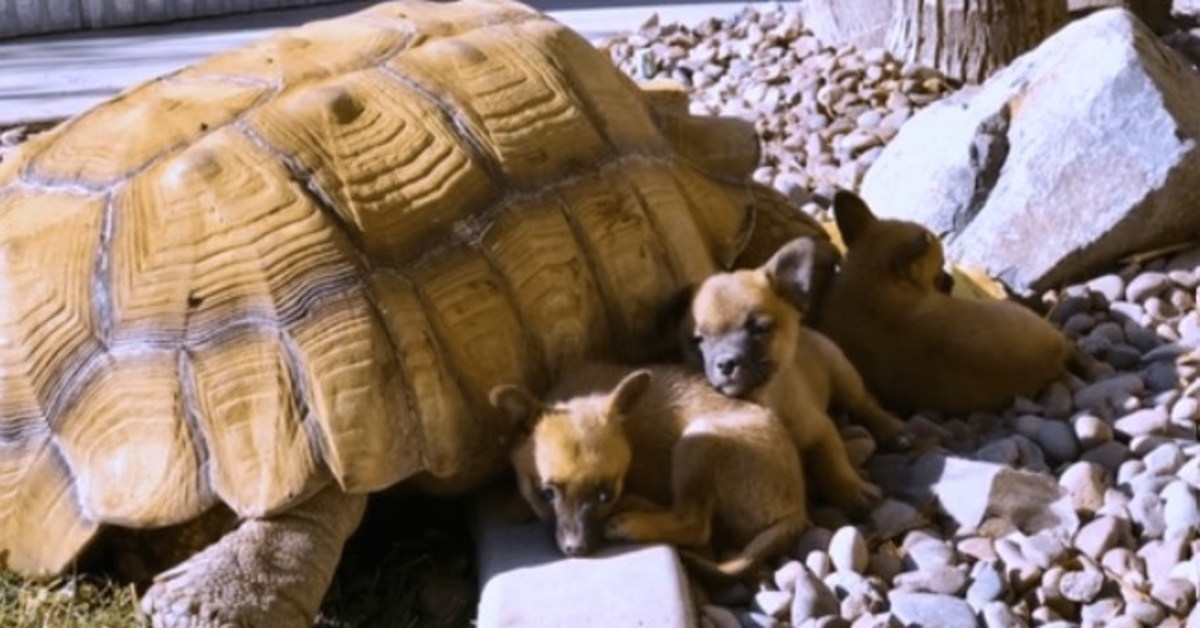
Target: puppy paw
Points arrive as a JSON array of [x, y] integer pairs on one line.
[[857, 496], [901, 441], [623, 527]]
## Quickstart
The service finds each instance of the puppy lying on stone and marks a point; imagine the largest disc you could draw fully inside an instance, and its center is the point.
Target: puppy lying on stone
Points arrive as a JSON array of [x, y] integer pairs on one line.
[[917, 347], [656, 456]]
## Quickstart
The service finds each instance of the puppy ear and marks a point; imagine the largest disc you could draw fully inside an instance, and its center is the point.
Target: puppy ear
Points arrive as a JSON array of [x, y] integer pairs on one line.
[[909, 252], [628, 391], [517, 404], [944, 282], [852, 214], [799, 270]]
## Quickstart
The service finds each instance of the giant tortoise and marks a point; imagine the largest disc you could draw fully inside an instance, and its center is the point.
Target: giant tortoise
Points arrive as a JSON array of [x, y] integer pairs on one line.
[[287, 276]]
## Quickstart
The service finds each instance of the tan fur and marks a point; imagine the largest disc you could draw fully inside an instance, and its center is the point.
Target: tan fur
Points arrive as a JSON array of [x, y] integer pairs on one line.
[[918, 348], [690, 467], [800, 371]]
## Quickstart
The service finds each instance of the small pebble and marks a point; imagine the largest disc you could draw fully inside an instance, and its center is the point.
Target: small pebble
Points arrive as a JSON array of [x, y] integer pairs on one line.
[[848, 550], [930, 609], [1142, 422], [1091, 431]]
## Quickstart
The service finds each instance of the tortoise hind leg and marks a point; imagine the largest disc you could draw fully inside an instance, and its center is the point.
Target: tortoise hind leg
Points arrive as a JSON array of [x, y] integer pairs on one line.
[[266, 572]]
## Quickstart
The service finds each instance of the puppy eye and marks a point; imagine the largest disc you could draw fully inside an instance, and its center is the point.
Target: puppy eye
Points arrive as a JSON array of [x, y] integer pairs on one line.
[[758, 327], [697, 339], [548, 494], [604, 496]]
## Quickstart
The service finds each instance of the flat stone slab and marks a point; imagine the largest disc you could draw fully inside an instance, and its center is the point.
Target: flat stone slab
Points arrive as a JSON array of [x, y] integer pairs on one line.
[[527, 583]]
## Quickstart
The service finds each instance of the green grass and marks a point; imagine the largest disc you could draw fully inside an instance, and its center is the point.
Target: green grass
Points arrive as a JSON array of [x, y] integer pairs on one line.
[[409, 566], [68, 602]]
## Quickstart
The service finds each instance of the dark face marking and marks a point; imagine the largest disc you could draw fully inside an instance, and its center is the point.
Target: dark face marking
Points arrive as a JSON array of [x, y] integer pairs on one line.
[[738, 360], [579, 513]]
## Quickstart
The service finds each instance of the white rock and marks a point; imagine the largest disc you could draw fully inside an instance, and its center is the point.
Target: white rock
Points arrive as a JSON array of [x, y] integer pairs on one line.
[[1160, 556], [777, 604], [970, 166], [1164, 459], [999, 614], [1085, 482], [1100, 535], [942, 579], [785, 576], [1102, 611], [848, 550], [1143, 422], [1147, 284], [1091, 431], [1081, 586], [819, 563], [1181, 509], [1178, 596], [1190, 471], [930, 609], [811, 599], [1146, 510], [987, 584]]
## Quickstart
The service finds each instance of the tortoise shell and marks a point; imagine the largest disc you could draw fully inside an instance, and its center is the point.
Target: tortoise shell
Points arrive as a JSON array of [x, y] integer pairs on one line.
[[308, 260]]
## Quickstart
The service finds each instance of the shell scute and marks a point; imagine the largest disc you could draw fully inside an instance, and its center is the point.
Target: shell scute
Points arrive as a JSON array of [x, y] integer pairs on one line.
[[356, 400], [436, 396], [38, 508], [623, 247], [47, 324], [133, 460], [498, 88], [389, 170], [125, 134], [535, 247], [262, 452]]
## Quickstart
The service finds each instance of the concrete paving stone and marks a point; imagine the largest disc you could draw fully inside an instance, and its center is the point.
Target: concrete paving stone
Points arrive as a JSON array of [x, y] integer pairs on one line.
[[526, 582]]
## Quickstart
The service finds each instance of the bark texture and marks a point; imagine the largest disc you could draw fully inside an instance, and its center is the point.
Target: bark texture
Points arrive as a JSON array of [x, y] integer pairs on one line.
[[968, 40]]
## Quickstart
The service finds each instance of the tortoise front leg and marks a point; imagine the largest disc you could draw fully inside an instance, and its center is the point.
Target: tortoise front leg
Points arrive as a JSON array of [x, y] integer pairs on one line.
[[266, 572]]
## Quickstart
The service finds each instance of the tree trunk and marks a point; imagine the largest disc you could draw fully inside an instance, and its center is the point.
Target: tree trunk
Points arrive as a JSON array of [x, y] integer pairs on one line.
[[968, 40], [863, 23], [965, 39]]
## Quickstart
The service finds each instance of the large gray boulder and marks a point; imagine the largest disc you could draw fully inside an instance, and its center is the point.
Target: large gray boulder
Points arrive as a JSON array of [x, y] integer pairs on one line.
[[1081, 152]]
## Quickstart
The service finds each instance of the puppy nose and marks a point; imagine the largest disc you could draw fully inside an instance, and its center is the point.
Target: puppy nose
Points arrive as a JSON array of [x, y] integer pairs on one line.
[[574, 548], [727, 365]]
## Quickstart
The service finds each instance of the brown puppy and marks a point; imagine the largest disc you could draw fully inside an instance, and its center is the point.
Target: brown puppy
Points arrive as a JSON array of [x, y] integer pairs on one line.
[[748, 333], [610, 450], [917, 347]]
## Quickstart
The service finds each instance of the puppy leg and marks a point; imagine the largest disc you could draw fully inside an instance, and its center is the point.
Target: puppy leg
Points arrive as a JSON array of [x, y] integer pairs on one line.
[[851, 394], [636, 503], [837, 480], [689, 521]]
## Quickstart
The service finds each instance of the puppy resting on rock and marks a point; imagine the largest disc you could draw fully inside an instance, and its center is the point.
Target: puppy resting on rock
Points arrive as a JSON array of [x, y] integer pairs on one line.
[[917, 347], [656, 456]]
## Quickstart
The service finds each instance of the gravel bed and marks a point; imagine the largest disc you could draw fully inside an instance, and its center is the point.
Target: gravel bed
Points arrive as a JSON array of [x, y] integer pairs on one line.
[[824, 113], [1123, 444]]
